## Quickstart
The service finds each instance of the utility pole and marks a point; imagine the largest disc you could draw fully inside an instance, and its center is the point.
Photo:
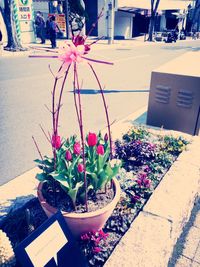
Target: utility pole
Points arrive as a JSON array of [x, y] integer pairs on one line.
[[111, 18]]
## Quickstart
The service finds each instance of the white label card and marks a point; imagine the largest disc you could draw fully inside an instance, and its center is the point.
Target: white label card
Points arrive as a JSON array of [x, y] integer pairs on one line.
[[46, 246]]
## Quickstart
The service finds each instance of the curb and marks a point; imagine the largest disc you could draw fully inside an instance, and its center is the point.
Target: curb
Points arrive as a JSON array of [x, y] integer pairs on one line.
[[150, 240]]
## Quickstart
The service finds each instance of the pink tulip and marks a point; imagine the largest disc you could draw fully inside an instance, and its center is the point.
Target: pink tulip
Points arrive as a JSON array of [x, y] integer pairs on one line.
[[100, 150], [77, 148], [56, 142], [92, 139], [68, 155], [80, 167]]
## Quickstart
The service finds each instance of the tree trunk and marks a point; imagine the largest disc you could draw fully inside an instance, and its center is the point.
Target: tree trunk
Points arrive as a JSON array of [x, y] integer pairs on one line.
[[154, 7], [14, 43], [151, 27]]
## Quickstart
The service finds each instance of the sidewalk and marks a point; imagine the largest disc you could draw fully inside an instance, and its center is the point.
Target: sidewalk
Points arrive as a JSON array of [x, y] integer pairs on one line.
[[187, 249], [100, 45]]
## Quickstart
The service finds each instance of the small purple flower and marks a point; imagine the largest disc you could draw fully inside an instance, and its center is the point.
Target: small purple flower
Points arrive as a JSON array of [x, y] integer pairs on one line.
[[136, 198], [96, 250]]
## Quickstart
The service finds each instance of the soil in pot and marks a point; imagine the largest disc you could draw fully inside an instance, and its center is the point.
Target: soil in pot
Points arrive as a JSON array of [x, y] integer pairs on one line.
[[60, 200]]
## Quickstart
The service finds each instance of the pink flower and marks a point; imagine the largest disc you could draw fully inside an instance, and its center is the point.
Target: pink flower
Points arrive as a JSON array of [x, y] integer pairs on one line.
[[87, 48], [102, 234], [92, 139], [100, 150], [56, 142], [78, 40], [147, 183], [68, 155], [80, 167], [139, 182], [136, 198], [96, 249], [85, 237], [77, 148]]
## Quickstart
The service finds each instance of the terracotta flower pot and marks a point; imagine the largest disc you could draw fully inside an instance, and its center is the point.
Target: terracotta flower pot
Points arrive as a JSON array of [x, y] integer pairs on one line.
[[80, 223]]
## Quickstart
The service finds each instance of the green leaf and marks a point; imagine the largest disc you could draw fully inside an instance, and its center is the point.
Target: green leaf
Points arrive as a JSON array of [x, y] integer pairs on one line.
[[73, 192], [42, 177], [93, 179], [103, 177]]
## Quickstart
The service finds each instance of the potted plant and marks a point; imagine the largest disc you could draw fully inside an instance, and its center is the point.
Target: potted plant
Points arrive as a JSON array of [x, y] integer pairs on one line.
[[79, 178]]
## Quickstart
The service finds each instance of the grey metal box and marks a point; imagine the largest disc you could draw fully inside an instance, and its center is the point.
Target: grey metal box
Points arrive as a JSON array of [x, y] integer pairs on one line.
[[174, 99]]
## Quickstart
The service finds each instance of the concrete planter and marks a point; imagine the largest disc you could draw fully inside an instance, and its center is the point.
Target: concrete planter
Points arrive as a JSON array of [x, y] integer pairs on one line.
[[80, 223]]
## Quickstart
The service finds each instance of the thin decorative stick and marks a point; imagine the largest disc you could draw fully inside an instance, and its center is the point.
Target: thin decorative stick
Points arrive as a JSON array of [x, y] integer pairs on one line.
[[49, 140], [60, 96], [75, 101], [82, 137], [105, 107], [53, 116], [95, 23], [37, 148]]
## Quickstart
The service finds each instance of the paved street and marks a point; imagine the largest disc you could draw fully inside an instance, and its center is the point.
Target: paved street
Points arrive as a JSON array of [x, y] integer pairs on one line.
[[26, 84]]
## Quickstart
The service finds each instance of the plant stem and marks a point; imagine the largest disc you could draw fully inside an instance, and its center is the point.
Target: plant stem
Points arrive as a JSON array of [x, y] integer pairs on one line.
[[82, 136], [105, 107], [37, 148], [60, 97]]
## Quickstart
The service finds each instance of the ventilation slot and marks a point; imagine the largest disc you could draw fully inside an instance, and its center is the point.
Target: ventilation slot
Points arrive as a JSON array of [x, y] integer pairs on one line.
[[162, 94], [185, 99]]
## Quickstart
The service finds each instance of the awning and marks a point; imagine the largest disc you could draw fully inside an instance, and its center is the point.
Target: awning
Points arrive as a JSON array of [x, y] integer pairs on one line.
[[146, 4]]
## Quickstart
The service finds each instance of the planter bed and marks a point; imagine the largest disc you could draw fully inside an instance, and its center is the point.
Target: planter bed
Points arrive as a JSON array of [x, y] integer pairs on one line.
[[137, 186]]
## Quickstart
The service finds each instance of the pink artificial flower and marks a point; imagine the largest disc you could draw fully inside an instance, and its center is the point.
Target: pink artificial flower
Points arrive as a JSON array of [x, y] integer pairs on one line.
[[96, 250], [68, 155], [92, 139], [77, 148], [80, 168], [100, 150], [56, 142], [78, 40]]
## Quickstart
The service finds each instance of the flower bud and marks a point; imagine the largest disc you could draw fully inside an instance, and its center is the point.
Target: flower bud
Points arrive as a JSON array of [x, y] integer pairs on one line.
[[56, 142], [80, 167], [100, 150], [106, 138], [92, 139], [77, 148], [68, 155]]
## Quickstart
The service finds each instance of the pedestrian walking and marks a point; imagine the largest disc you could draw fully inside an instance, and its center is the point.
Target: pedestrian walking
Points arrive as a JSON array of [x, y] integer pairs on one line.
[[53, 29], [40, 26]]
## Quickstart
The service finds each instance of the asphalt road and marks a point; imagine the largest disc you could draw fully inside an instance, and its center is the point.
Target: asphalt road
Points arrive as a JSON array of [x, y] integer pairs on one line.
[[26, 85]]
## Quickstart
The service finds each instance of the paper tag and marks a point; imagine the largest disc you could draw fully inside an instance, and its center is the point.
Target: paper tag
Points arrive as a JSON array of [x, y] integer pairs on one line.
[[47, 245]]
